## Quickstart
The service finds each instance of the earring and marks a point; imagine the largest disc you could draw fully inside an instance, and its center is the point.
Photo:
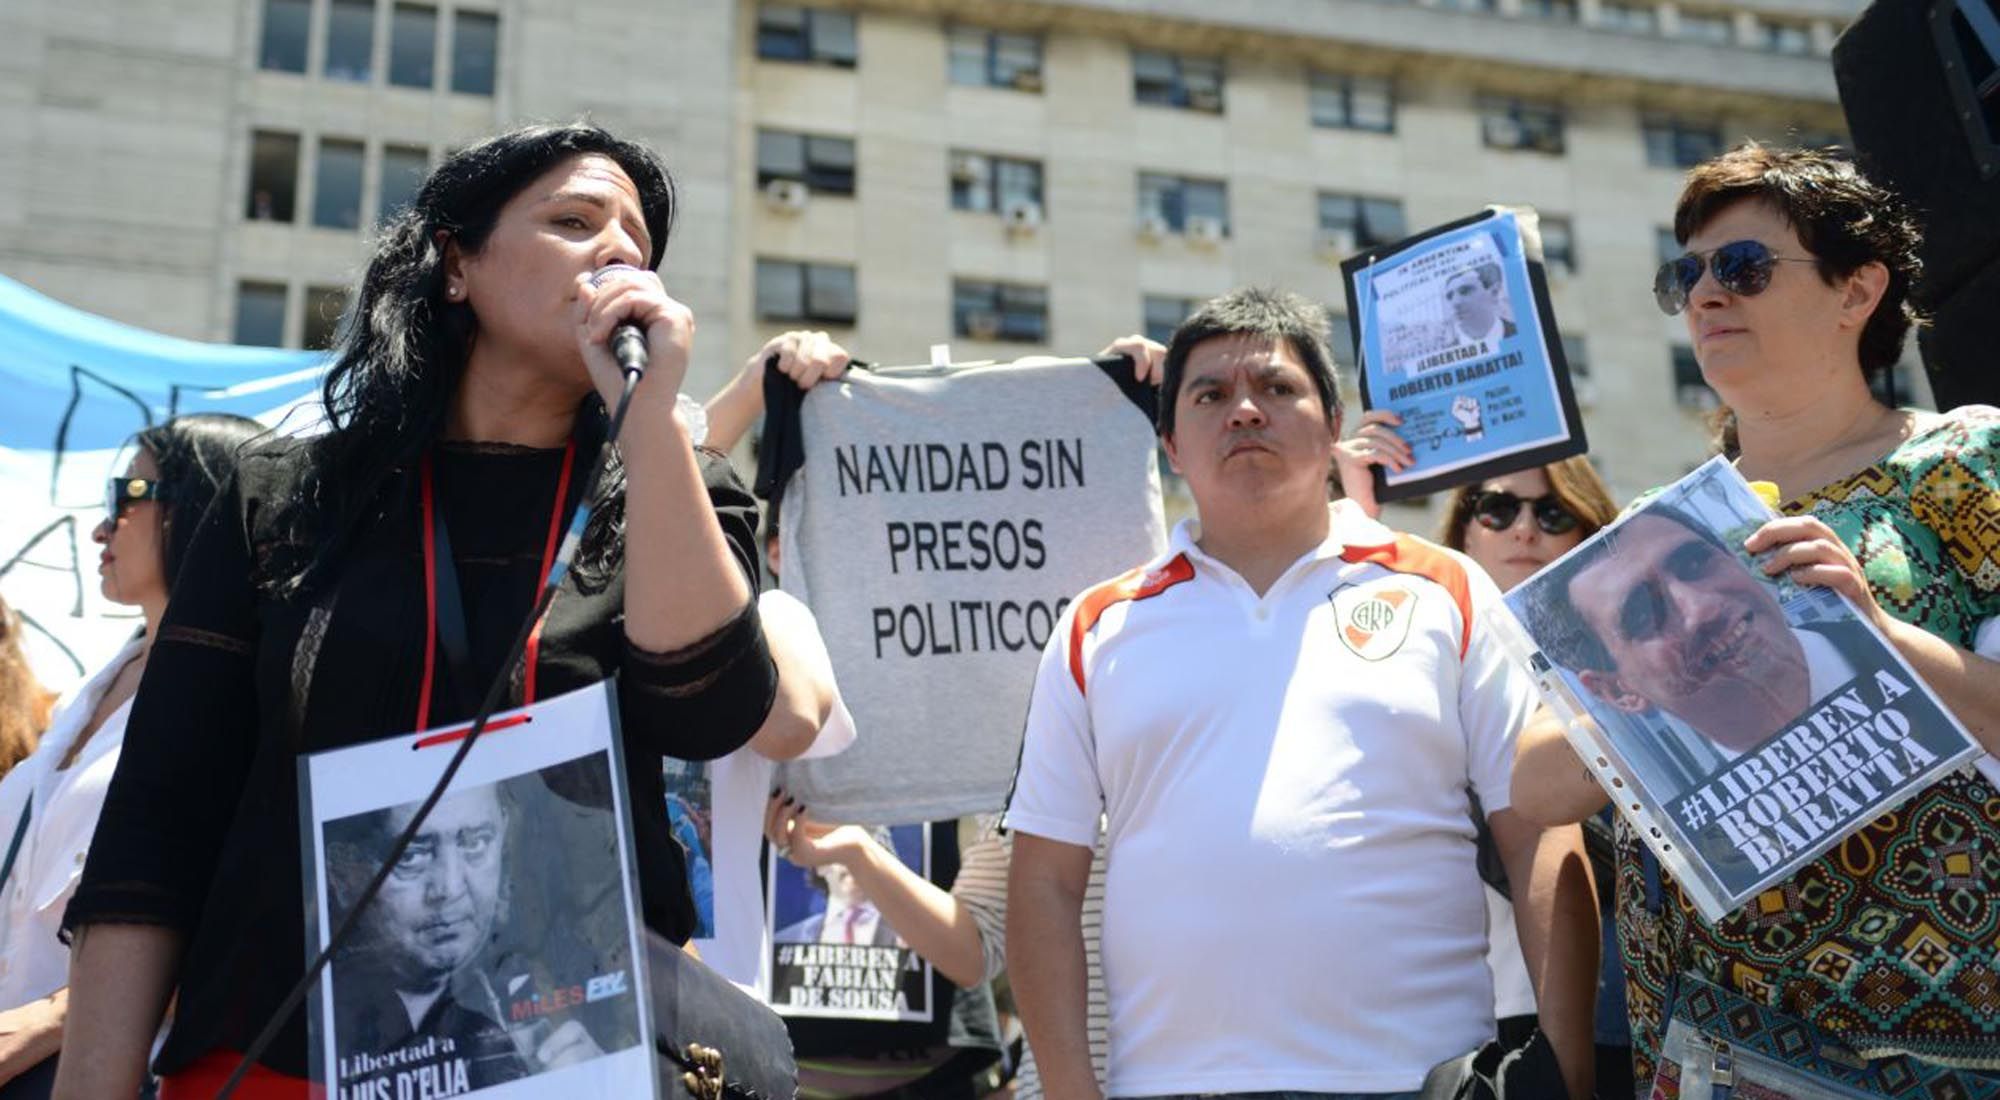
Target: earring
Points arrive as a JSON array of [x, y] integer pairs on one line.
[[453, 293]]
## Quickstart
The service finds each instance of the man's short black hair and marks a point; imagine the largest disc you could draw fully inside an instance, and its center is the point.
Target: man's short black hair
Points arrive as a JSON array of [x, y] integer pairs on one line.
[[1561, 632], [1253, 311]]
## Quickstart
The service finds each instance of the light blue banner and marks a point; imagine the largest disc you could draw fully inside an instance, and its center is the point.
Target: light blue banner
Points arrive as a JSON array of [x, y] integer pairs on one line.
[[74, 388]]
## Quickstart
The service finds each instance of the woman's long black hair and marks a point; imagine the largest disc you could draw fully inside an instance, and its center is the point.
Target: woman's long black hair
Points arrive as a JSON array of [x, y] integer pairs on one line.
[[402, 348], [196, 454]]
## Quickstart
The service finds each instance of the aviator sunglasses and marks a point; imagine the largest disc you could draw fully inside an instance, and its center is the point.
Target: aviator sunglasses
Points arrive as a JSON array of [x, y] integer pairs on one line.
[[123, 492], [1742, 268], [1496, 510]]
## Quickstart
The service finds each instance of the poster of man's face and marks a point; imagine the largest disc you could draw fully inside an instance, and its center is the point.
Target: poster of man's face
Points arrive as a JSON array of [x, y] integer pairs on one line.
[[484, 957], [1664, 615], [439, 903], [1474, 295]]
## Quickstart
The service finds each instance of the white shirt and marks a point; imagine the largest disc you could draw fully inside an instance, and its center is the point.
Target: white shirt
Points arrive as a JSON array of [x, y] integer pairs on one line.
[[65, 806], [1291, 896], [740, 784]]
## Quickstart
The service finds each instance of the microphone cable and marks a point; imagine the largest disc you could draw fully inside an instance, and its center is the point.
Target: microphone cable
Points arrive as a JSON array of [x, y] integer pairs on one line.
[[558, 571]]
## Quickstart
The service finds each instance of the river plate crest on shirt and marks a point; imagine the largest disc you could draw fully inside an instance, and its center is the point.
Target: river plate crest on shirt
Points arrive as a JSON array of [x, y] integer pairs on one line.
[[1373, 620]]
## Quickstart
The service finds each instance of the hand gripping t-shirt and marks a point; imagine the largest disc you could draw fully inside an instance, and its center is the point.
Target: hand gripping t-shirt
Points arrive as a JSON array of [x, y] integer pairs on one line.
[[1291, 895], [937, 527]]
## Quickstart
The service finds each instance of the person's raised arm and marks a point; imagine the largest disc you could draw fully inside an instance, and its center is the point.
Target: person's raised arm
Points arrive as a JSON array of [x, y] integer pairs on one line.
[[1045, 959], [698, 653], [807, 358], [808, 712]]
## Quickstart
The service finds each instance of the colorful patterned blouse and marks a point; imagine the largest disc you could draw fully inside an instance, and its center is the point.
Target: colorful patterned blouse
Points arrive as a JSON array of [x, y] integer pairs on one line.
[[1892, 939]]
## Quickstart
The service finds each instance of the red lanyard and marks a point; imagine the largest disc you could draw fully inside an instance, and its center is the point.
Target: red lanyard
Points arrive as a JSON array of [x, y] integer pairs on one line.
[[431, 566]]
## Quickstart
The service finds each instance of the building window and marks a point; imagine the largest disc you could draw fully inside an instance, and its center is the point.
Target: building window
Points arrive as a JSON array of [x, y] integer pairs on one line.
[[413, 46], [1629, 18], [1174, 204], [1482, 6], [789, 33], [403, 171], [1170, 80], [475, 52], [1520, 124], [324, 305], [1353, 103], [1689, 389], [1339, 339], [822, 163], [337, 185], [990, 58], [1558, 244], [789, 291], [1716, 30], [274, 177], [1666, 247], [1671, 143], [350, 40], [1012, 312], [1576, 353], [1791, 38], [286, 24], [1367, 221], [991, 185], [260, 315], [1555, 11], [1163, 314]]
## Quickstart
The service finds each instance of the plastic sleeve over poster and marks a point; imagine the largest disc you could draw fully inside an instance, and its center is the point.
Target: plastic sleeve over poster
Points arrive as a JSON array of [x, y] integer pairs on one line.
[[1453, 332], [503, 954], [1743, 724]]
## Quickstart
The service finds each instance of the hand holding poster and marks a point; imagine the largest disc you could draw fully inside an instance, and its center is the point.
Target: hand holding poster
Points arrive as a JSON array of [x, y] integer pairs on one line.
[[1454, 333], [938, 527], [833, 954], [1743, 724], [499, 958]]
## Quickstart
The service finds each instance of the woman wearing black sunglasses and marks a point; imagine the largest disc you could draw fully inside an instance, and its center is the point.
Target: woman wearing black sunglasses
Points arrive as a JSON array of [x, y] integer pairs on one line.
[[50, 803], [1793, 287]]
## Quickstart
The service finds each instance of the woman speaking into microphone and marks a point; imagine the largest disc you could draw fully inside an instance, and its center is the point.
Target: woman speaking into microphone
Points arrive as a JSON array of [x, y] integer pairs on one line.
[[467, 396]]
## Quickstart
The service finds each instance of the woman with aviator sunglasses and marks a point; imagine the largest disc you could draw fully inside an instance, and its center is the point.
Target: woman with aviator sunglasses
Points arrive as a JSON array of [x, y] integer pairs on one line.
[[49, 803], [1793, 288]]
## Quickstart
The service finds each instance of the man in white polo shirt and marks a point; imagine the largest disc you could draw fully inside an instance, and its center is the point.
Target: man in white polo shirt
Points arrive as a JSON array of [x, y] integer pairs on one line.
[[1279, 721]]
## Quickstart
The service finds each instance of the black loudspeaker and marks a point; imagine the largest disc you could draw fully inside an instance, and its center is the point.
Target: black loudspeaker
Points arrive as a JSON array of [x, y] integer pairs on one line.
[[1920, 83]]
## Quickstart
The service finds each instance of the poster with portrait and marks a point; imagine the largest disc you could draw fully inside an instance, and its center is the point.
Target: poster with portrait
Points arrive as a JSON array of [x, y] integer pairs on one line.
[[1453, 331], [1744, 724], [503, 954], [832, 953]]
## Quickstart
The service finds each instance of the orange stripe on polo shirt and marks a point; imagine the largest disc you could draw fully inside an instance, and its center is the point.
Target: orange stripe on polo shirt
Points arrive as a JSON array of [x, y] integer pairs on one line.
[[1434, 563], [1139, 584]]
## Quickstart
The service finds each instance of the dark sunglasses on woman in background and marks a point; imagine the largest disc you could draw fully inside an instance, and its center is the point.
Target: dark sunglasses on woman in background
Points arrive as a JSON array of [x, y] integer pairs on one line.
[[1742, 268], [124, 492], [1496, 510]]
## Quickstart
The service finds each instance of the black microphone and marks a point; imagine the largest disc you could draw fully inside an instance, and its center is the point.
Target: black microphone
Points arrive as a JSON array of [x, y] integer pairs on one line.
[[628, 341]]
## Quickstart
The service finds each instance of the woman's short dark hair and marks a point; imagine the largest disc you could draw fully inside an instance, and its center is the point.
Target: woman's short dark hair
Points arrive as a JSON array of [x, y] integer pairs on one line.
[[1260, 312], [196, 455], [1841, 217], [403, 346]]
